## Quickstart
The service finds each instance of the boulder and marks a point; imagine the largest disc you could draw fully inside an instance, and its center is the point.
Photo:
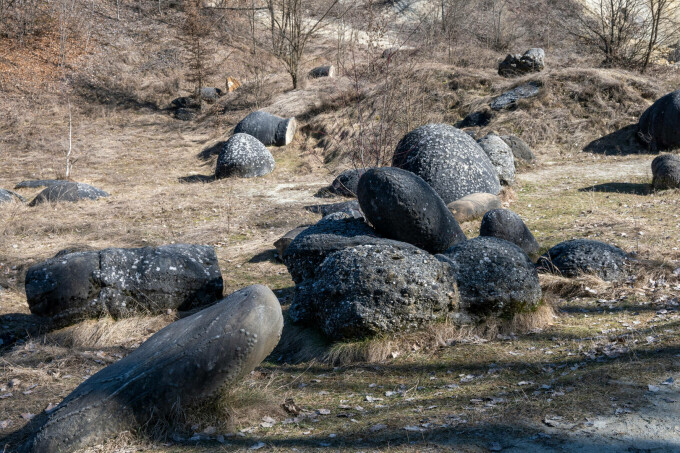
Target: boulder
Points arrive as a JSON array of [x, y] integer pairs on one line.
[[510, 98], [244, 156], [474, 206], [500, 156], [584, 256], [68, 191], [181, 366], [211, 94], [533, 60], [402, 206], [449, 160], [494, 276], [284, 241], [332, 233], [322, 71], [520, 150], [348, 207], [123, 282], [270, 129], [34, 183], [476, 119], [666, 171], [659, 125], [346, 182], [7, 196], [186, 102], [371, 289], [505, 224]]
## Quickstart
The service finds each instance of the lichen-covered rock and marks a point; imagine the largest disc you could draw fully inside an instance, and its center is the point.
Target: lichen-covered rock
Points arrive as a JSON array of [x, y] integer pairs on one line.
[[211, 94], [494, 276], [403, 207], [33, 183], [270, 129], [123, 282], [505, 224], [473, 206], [520, 150], [500, 156], [533, 60], [659, 125], [182, 365], [347, 207], [347, 182], [332, 233], [68, 191], [7, 196], [510, 98], [244, 156], [370, 289], [666, 172], [585, 256], [448, 159]]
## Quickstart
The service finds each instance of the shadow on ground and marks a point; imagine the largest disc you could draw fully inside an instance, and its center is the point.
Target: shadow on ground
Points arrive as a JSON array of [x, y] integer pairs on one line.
[[619, 143], [192, 179], [620, 187]]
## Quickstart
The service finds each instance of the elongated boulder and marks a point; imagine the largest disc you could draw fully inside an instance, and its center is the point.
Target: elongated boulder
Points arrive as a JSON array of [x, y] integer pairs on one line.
[[371, 289], [270, 129], [322, 71], [494, 276], [348, 207], [183, 364], [666, 172], [585, 256], [68, 191], [403, 207], [448, 159], [244, 156], [123, 282], [500, 156], [473, 206], [7, 196], [509, 99], [659, 125], [505, 224]]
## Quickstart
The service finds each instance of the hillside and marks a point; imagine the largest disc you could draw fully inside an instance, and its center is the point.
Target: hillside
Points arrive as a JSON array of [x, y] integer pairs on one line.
[[596, 368]]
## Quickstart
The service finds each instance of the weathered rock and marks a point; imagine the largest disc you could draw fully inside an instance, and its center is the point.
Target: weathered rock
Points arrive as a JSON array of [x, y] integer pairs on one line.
[[402, 206], [122, 282], [494, 276], [473, 206], [448, 159], [476, 119], [270, 129], [332, 233], [284, 241], [500, 156], [533, 60], [32, 184], [211, 94], [505, 224], [347, 207], [666, 172], [184, 364], [584, 256], [7, 196], [322, 71], [244, 156], [509, 99], [520, 150], [68, 191], [347, 182], [370, 289], [659, 125], [186, 102]]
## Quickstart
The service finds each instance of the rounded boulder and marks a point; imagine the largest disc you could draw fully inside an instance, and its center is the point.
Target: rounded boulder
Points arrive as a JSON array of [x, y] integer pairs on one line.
[[244, 156], [505, 224], [585, 256], [666, 172], [659, 125], [270, 129], [500, 155]]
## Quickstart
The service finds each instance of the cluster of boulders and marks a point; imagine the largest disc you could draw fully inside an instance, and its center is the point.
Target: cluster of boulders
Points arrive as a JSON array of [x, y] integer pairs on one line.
[[533, 60], [57, 190]]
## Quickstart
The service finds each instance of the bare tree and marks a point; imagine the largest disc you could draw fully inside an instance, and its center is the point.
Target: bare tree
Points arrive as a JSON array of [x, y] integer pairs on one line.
[[662, 26], [194, 34]]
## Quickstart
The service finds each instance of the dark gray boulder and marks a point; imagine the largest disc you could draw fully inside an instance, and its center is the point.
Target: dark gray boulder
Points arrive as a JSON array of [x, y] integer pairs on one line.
[[332, 233], [211, 94], [666, 172], [284, 241], [505, 224], [402, 206], [659, 125], [533, 60], [584, 256], [7, 196], [181, 366], [347, 182], [500, 156], [473, 206], [33, 183], [476, 119], [123, 282], [510, 98], [520, 150], [186, 102], [494, 276], [322, 71], [371, 289], [448, 159], [244, 156], [270, 129], [68, 191], [348, 207]]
